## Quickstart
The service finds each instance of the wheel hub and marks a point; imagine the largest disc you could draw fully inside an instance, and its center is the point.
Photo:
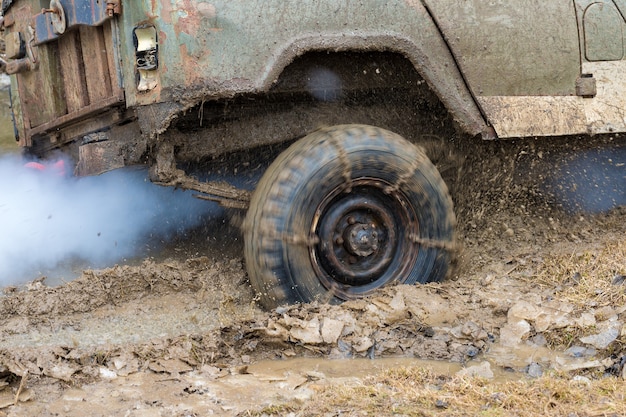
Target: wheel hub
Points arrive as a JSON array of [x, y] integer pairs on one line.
[[358, 235], [361, 239]]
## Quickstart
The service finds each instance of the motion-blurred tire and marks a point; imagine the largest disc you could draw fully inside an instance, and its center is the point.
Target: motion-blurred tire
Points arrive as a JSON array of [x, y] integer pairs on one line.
[[343, 212]]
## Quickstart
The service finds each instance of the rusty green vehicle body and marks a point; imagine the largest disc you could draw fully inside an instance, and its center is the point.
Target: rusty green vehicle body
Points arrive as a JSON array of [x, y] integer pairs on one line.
[[164, 82]]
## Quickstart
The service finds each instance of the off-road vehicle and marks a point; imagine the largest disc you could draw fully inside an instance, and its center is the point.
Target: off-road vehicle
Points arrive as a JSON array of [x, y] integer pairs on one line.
[[353, 204]]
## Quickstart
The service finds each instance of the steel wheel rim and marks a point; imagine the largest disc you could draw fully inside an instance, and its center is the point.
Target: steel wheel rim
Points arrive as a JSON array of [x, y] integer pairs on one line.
[[362, 231]]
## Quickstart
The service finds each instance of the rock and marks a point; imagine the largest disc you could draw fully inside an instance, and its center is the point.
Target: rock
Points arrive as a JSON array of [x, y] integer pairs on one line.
[[605, 313], [344, 346], [331, 330], [603, 339], [472, 351], [483, 370], [569, 364], [512, 334], [62, 371], [580, 352], [534, 370], [475, 331], [441, 404], [539, 340], [555, 315], [522, 310], [275, 330], [307, 332], [585, 320], [362, 344], [619, 279]]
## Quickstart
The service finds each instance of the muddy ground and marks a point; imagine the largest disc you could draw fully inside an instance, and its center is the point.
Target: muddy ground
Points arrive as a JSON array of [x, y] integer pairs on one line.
[[181, 334]]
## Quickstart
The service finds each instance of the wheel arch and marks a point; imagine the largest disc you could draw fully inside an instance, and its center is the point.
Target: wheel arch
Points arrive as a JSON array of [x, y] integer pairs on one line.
[[433, 61]]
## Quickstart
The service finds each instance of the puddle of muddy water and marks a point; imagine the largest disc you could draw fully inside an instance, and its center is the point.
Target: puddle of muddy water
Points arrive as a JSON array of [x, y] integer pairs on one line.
[[214, 391], [274, 370]]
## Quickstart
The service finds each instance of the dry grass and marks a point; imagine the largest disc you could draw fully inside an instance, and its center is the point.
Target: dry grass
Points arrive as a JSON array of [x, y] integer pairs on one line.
[[420, 392], [589, 279], [586, 278]]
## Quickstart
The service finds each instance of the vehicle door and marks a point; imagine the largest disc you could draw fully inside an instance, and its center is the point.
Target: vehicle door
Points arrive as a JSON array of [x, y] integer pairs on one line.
[[539, 68]]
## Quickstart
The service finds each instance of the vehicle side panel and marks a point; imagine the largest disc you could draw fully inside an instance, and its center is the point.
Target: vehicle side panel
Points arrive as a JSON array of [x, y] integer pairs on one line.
[[230, 47]]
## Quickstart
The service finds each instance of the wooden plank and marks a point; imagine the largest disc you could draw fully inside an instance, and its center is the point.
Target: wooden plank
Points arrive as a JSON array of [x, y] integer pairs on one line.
[[96, 63], [41, 91], [72, 68], [111, 47]]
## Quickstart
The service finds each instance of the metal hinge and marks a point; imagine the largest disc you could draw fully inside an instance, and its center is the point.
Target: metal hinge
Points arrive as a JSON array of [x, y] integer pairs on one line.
[[113, 7]]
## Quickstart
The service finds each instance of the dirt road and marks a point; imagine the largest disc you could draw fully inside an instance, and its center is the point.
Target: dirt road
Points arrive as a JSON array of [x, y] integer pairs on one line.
[[536, 288]]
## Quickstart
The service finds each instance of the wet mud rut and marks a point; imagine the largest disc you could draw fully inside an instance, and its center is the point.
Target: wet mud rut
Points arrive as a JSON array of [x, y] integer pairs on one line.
[[535, 288]]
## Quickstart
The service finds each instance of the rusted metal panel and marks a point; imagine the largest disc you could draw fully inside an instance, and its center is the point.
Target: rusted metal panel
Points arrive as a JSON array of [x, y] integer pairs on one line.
[[18, 118], [41, 91], [602, 29], [602, 25], [111, 40], [527, 62], [41, 100], [527, 116], [78, 116], [604, 112]]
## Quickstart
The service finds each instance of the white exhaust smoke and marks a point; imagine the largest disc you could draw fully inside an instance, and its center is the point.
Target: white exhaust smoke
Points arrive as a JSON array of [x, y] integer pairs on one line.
[[47, 218]]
